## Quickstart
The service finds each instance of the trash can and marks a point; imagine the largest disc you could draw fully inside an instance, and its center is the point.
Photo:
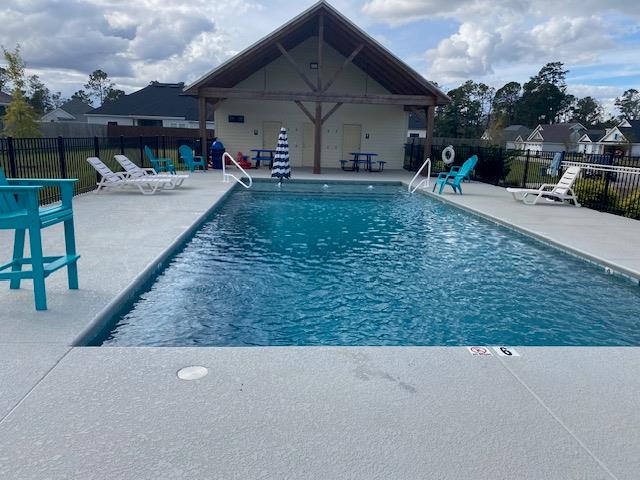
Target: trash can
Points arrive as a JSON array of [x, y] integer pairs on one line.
[[217, 149]]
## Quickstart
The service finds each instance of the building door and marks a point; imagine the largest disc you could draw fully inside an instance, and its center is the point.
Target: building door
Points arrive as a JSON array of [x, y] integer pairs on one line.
[[308, 144], [351, 135], [270, 132]]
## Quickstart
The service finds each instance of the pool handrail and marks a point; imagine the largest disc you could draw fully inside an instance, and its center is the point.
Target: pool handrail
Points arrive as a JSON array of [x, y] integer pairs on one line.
[[425, 181], [225, 175]]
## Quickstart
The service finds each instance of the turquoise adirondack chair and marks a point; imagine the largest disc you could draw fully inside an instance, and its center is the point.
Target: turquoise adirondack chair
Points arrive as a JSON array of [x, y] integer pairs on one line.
[[186, 153], [20, 210], [456, 176], [159, 164]]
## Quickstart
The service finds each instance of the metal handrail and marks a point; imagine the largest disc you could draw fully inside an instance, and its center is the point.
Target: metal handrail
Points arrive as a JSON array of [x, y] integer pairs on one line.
[[424, 181], [225, 175], [603, 168]]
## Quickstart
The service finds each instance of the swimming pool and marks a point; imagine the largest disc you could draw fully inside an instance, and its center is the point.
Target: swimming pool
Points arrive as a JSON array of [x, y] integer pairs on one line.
[[357, 264]]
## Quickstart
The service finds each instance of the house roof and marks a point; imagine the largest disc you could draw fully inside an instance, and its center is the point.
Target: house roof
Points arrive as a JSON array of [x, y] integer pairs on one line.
[[155, 100], [632, 133], [5, 98], [512, 132], [559, 132], [341, 34], [595, 134], [75, 107]]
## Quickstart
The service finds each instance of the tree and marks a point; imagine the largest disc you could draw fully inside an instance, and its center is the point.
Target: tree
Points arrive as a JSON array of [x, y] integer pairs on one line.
[[505, 101], [113, 94], [4, 79], [57, 100], [20, 119], [82, 96], [629, 104], [588, 111], [101, 88], [544, 98], [39, 95]]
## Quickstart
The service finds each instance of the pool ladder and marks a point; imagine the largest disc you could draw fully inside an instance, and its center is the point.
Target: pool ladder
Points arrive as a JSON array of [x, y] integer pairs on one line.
[[226, 176], [425, 181]]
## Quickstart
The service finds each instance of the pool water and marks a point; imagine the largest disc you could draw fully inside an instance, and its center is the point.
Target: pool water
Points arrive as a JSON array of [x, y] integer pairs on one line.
[[353, 264]]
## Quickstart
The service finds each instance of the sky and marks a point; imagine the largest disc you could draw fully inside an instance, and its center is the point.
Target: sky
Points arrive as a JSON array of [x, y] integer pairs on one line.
[[446, 41]]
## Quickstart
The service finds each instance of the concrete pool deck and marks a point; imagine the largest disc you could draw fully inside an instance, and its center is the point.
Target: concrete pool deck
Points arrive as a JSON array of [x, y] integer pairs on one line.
[[330, 412]]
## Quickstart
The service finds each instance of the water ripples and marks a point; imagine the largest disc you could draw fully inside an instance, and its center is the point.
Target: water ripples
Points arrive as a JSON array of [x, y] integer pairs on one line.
[[376, 267]]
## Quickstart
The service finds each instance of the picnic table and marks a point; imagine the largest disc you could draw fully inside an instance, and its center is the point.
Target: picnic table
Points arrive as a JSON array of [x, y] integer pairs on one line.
[[364, 158], [264, 155]]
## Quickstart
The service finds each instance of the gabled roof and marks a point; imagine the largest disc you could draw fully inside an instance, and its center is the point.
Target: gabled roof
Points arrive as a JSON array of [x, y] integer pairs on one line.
[[559, 132], [75, 107], [341, 34], [632, 132], [512, 132], [5, 98], [154, 100], [593, 135]]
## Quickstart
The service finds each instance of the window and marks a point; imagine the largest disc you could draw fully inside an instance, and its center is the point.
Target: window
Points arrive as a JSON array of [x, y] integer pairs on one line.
[[236, 118], [414, 135], [143, 122], [109, 123]]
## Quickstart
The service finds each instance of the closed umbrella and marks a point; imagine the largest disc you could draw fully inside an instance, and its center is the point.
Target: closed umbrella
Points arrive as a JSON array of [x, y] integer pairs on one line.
[[281, 167]]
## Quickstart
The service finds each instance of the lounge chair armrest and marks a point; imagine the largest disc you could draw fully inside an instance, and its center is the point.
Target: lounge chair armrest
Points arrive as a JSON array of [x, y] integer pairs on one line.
[[547, 185]]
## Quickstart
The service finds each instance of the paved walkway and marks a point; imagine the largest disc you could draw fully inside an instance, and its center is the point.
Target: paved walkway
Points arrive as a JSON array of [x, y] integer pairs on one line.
[[363, 412]]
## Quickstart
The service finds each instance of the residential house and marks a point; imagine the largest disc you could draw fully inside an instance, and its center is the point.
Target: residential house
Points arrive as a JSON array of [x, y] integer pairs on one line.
[[511, 137], [156, 105], [71, 111], [623, 139], [557, 137], [588, 143]]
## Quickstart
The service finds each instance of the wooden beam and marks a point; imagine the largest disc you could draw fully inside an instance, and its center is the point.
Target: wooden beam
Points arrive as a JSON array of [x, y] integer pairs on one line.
[[372, 99], [320, 49], [347, 61], [317, 145], [331, 112], [430, 113], [202, 124], [306, 112], [297, 68]]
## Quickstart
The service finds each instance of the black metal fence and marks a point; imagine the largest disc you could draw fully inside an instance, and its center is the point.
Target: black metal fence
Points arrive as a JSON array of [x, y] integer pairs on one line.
[[611, 192], [67, 157]]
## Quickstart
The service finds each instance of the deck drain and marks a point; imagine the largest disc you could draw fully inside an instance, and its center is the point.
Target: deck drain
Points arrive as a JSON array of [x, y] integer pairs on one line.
[[193, 372]]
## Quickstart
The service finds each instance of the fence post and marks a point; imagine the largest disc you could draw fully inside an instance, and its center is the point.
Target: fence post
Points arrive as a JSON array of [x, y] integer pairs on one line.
[[63, 161], [500, 171], [13, 171], [141, 153], [526, 171], [121, 145], [164, 151]]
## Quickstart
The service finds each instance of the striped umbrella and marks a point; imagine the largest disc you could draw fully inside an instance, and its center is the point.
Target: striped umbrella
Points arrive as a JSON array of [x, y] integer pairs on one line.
[[281, 167]]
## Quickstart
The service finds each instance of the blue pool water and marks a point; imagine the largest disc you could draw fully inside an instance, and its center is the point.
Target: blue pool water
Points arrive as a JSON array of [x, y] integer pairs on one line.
[[345, 264]]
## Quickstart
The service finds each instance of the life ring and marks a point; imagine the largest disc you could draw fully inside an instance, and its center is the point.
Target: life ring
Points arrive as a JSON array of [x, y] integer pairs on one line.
[[448, 155]]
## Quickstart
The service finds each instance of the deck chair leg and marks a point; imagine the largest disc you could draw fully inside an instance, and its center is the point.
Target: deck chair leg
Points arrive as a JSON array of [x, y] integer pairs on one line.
[[18, 253], [70, 244], [37, 267]]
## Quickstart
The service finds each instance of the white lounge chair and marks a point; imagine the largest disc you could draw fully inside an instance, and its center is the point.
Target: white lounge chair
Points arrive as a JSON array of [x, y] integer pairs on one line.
[[109, 179], [561, 191], [134, 171]]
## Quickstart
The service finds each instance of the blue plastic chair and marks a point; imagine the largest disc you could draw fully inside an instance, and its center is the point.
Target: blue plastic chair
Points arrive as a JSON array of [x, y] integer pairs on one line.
[[192, 161], [456, 176], [20, 210], [159, 164]]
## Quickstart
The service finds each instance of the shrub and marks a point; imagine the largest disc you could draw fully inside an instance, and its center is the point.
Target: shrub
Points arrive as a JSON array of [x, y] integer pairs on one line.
[[590, 193], [631, 205]]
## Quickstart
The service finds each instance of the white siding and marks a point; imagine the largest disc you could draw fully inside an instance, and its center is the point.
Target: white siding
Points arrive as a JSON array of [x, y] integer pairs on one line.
[[104, 120], [384, 125]]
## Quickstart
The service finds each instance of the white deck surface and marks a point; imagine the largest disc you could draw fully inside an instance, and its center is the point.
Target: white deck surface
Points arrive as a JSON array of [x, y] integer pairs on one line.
[[361, 412]]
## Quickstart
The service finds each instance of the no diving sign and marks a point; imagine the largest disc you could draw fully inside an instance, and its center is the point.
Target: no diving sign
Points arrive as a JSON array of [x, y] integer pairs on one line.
[[479, 351]]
